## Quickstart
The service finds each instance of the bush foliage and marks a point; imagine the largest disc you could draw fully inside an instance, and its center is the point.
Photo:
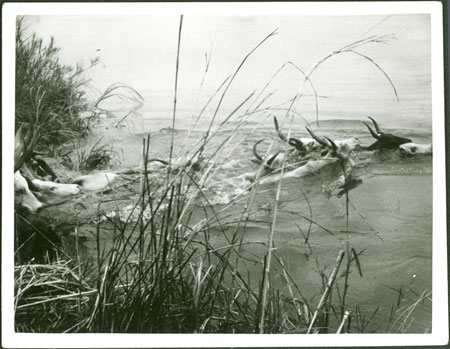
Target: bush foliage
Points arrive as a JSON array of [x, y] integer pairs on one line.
[[48, 92]]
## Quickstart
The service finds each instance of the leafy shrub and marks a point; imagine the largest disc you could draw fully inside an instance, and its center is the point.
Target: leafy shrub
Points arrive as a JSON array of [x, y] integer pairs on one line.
[[48, 92]]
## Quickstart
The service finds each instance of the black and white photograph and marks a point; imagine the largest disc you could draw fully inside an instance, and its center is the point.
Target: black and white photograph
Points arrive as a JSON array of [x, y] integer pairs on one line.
[[229, 169]]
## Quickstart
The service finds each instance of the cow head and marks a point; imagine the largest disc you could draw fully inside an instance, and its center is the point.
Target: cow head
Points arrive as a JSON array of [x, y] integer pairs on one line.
[[295, 142], [23, 151], [23, 197], [414, 149], [269, 163], [339, 150], [384, 140]]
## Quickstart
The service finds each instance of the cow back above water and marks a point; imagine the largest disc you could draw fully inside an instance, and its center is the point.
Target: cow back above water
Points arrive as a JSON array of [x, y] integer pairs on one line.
[[96, 181], [414, 148]]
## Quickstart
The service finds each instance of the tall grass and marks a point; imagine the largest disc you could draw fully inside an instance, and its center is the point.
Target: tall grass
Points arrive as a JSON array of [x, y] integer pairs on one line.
[[49, 88], [51, 99]]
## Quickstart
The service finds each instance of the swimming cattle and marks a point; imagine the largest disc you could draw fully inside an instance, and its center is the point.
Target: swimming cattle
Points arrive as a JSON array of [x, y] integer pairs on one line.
[[194, 163], [96, 181], [384, 140], [345, 146], [297, 143], [30, 192], [414, 148], [389, 141], [333, 154], [60, 189], [306, 145], [23, 197], [271, 162]]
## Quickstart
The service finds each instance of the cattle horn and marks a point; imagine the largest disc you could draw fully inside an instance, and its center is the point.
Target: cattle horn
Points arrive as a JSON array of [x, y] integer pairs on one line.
[[372, 132], [376, 125], [277, 128], [255, 152], [295, 142], [318, 139], [333, 145], [376, 135], [269, 162]]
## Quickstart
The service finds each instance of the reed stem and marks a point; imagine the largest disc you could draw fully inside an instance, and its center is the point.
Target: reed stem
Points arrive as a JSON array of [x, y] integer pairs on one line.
[[175, 92], [325, 294], [344, 319]]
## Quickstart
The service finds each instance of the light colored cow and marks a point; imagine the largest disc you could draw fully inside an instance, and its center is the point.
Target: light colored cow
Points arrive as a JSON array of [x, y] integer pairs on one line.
[[306, 145], [334, 153], [95, 181], [30, 193], [414, 148], [59, 189], [23, 197]]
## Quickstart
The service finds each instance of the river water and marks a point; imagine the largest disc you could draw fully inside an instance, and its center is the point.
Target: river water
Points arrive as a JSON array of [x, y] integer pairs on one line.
[[390, 213]]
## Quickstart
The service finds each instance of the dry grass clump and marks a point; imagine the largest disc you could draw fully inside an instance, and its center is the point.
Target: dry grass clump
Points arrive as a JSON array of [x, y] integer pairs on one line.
[[49, 297], [87, 158]]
